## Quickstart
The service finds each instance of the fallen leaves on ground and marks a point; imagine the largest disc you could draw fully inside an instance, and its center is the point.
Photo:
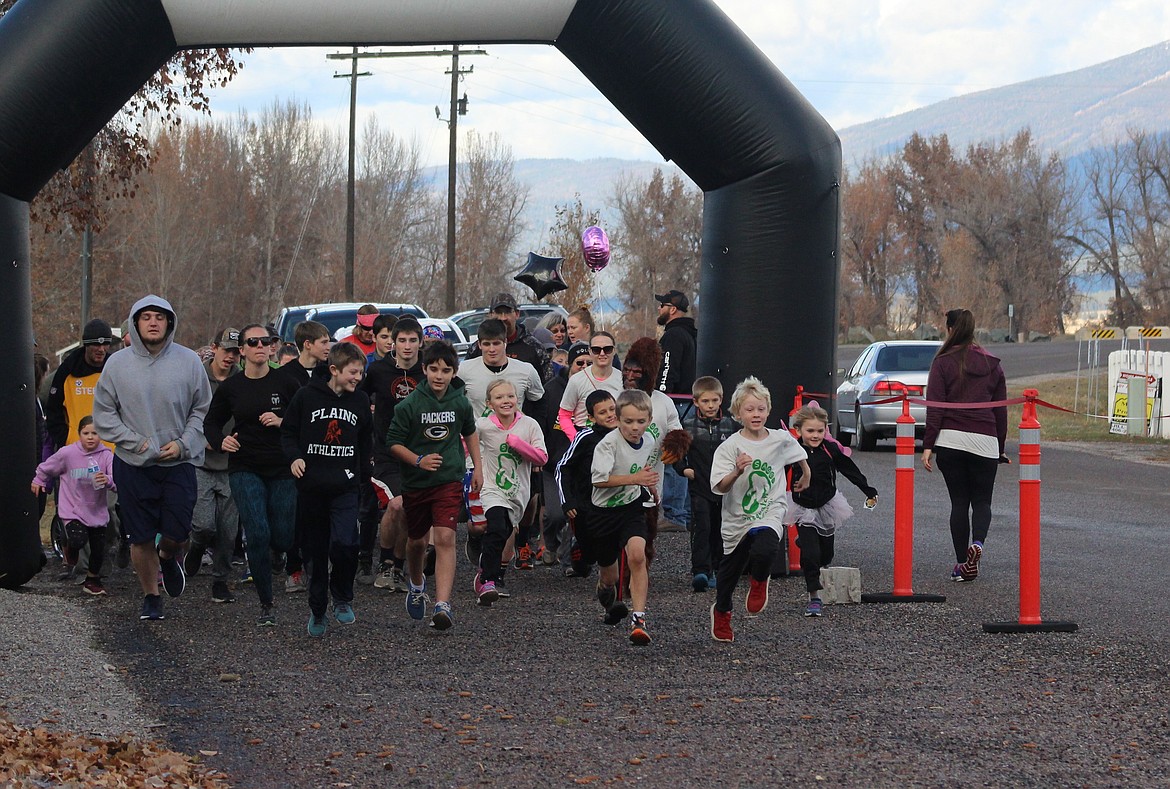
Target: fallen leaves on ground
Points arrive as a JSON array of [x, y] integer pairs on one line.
[[38, 757]]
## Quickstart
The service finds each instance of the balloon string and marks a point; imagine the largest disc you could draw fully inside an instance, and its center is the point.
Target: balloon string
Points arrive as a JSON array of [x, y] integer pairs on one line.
[[600, 306]]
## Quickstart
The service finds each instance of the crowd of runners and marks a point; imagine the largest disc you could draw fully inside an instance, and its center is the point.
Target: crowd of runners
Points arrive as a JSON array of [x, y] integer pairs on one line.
[[348, 462]]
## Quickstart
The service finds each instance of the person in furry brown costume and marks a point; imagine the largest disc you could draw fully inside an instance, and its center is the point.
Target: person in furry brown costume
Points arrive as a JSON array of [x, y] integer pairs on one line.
[[640, 371]]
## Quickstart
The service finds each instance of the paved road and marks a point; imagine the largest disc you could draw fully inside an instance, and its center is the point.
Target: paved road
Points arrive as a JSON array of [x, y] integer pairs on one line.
[[1024, 359], [538, 693]]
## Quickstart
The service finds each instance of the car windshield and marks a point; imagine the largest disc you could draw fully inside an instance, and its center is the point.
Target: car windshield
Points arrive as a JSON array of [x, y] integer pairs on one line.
[[337, 319], [905, 358]]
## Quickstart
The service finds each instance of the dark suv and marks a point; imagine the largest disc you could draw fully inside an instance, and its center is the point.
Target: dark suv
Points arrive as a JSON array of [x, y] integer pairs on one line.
[[335, 315]]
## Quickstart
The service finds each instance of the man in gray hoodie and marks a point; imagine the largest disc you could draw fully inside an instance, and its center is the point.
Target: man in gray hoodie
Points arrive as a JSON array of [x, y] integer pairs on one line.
[[150, 403]]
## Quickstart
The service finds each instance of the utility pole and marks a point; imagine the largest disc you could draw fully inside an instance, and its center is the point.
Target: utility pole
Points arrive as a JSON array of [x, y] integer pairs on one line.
[[353, 75]]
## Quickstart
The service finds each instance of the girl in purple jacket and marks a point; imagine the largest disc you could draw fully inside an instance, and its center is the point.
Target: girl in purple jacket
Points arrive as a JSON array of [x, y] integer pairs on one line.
[[967, 442], [84, 471]]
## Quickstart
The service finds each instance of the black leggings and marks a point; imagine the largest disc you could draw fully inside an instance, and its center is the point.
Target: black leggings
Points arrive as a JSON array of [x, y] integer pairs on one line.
[[755, 553], [816, 551], [491, 549], [79, 535], [970, 482]]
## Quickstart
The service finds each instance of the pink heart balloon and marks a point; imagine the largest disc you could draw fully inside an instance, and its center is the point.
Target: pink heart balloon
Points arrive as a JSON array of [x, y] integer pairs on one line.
[[595, 246]]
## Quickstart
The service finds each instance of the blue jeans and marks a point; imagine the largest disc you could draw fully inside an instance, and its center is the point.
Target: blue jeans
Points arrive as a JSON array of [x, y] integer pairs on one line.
[[267, 507], [676, 496]]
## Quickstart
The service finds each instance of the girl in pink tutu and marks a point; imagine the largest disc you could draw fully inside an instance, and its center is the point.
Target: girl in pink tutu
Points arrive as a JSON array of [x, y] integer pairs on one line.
[[820, 508]]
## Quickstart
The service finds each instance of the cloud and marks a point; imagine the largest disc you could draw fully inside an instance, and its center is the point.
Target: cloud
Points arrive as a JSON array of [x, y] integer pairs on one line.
[[855, 60]]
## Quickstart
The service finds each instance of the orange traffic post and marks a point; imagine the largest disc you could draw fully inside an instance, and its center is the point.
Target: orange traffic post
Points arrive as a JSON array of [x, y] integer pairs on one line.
[[904, 519], [1029, 621], [793, 550]]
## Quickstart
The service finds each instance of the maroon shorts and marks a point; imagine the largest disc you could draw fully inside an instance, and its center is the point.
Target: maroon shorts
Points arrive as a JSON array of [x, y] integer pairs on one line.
[[438, 506]]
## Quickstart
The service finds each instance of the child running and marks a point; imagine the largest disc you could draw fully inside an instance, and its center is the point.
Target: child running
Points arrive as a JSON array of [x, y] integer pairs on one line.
[[84, 470], [511, 444], [424, 436], [623, 481], [709, 428], [748, 471], [574, 479], [820, 508], [327, 437]]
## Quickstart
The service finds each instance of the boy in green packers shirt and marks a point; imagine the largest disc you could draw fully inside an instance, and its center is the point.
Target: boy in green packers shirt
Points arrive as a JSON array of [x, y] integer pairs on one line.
[[424, 436], [623, 487]]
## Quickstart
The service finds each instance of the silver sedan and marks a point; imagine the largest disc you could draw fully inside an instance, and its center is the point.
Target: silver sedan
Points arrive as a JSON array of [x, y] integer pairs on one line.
[[883, 370]]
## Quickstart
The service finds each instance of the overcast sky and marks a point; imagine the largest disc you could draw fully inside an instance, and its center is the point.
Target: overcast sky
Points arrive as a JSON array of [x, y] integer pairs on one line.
[[856, 60]]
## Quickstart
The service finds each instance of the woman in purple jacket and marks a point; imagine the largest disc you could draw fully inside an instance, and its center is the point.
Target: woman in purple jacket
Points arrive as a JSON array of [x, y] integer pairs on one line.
[[968, 442]]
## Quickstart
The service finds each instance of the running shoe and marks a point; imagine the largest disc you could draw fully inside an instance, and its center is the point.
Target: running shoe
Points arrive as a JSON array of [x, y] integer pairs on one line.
[[639, 635], [152, 608], [502, 590], [66, 572], [365, 572], [700, 582], [220, 593], [547, 558], [813, 608], [473, 548], [442, 619], [174, 580], [970, 568], [429, 564], [296, 582], [94, 586], [616, 613], [194, 559], [267, 617], [524, 558], [721, 625], [317, 625], [246, 578], [757, 599], [416, 604], [400, 584], [713, 582], [957, 574], [487, 594], [385, 577], [343, 613]]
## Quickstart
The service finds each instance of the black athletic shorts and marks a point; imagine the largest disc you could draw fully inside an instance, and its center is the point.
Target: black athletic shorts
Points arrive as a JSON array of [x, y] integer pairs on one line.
[[608, 529]]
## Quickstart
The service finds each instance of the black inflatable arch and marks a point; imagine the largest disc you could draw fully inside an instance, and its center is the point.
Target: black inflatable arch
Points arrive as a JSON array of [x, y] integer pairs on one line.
[[679, 70]]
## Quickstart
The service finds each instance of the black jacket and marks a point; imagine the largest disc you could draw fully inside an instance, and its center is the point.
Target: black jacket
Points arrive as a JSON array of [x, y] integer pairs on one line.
[[678, 356], [554, 437], [387, 385], [824, 462], [333, 434], [574, 472], [706, 436], [56, 420]]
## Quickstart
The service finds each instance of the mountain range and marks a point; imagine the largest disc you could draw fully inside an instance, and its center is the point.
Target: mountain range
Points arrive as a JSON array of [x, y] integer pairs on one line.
[[1069, 114]]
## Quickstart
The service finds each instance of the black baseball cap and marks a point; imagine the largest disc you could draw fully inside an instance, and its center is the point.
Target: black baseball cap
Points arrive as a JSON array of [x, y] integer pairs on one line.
[[504, 299], [675, 298]]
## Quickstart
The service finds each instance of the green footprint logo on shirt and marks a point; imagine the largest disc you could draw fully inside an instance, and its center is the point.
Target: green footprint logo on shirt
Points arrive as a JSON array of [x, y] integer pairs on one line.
[[755, 500], [506, 469]]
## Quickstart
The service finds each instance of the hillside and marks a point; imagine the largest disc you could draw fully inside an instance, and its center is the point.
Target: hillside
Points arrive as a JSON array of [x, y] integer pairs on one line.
[[1067, 113]]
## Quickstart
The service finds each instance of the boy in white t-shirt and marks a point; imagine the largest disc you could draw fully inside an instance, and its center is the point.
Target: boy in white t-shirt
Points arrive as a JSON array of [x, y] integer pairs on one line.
[[748, 471], [623, 482], [494, 364]]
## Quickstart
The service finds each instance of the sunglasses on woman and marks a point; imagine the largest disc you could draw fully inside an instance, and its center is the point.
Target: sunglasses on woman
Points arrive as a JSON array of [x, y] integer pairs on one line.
[[256, 342], [600, 349]]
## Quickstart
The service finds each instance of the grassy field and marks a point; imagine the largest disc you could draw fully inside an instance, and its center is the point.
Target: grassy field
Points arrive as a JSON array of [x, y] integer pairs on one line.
[[1055, 425]]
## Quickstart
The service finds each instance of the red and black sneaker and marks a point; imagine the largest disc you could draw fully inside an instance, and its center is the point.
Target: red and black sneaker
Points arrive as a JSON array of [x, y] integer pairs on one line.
[[524, 558]]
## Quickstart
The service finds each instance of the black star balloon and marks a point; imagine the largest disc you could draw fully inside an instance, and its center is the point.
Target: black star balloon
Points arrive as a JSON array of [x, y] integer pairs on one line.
[[542, 274]]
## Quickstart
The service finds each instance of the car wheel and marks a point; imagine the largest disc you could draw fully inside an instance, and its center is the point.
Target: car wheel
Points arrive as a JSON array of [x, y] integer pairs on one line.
[[843, 438], [866, 441]]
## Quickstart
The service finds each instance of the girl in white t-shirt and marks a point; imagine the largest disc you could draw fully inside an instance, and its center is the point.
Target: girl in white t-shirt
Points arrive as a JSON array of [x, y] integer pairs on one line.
[[748, 471], [511, 445], [599, 375]]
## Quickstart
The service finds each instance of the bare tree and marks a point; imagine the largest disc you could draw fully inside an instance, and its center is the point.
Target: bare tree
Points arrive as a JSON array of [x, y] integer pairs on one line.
[[657, 245], [565, 242], [489, 206], [873, 246]]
